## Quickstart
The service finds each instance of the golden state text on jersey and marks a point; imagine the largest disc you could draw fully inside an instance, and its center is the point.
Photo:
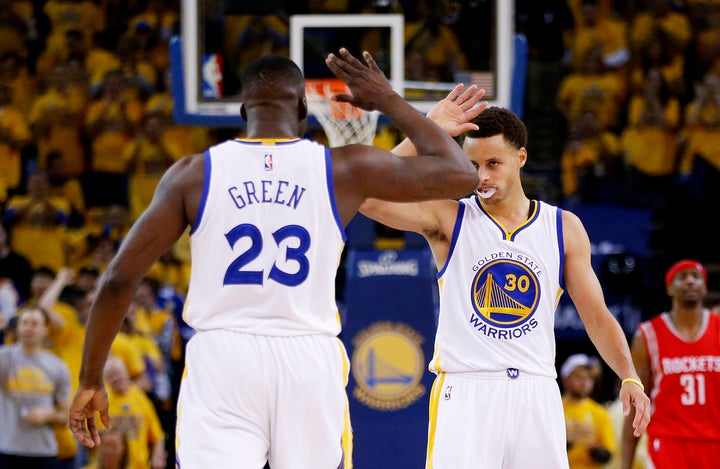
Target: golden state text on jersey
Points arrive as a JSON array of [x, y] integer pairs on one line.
[[505, 294]]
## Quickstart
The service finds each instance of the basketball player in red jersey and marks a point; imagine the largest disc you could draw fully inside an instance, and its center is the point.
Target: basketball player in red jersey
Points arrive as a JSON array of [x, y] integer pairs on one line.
[[677, 356]]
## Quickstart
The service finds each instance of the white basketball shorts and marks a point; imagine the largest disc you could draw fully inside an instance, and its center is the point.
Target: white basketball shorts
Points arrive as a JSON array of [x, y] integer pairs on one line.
[[246, 399]]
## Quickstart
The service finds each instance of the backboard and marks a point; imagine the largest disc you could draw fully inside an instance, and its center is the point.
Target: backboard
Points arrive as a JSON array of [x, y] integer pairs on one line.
[[218, 35]]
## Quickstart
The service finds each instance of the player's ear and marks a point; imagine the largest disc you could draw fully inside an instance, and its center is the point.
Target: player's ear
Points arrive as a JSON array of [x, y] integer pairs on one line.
[[302, 109], [243, 114], [522, 156]]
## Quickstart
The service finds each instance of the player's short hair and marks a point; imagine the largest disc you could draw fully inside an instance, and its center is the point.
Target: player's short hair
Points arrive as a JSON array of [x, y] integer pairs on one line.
[[499, 121], [271, 72]]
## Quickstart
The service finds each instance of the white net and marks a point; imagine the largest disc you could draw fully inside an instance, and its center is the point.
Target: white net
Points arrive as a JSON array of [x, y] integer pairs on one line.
[[343, 123]]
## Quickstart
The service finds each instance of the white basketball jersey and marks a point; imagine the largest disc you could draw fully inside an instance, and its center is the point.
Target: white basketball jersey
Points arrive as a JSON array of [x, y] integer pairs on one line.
[[267, 240], [498, 294]]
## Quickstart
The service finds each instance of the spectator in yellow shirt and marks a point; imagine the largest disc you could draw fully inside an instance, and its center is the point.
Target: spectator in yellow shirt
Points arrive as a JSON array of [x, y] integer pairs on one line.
[[39, 224], [132, 412], [148, 157], [57, 115], [592, 88], [14, 136], [590, 435]]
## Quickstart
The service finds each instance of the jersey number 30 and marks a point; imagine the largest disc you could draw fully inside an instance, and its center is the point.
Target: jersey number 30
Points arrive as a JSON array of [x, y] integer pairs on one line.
[[235, 275]]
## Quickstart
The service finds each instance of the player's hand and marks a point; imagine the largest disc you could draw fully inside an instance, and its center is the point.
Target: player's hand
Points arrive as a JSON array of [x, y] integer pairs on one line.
[[87, 401], [454, 113], [369, 87], [633, 396]]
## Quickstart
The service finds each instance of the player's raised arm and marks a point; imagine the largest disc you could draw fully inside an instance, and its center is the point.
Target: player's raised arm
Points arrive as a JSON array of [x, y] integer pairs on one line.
[[454, 114], [442, 170]]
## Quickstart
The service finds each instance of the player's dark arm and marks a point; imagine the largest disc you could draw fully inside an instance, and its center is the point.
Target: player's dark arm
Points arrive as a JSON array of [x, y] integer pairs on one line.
[[442, 170], [157, 229], [642, 366]]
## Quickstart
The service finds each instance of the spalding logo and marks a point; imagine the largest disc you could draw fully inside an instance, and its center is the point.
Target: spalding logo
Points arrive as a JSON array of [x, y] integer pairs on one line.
[[505, 293], [388, 364]]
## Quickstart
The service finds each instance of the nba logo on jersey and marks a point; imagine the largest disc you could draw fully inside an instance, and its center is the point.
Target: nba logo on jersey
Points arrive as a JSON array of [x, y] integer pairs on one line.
[[448, 390], [512, 373], [268, 162]]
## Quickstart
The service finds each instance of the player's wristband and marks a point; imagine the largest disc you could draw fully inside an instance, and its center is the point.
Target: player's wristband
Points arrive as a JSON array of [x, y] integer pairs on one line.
[[634, 381]]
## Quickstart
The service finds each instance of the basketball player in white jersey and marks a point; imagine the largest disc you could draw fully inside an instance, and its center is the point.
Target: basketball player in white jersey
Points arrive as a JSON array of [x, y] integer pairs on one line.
[[503, 262], [265, 372]]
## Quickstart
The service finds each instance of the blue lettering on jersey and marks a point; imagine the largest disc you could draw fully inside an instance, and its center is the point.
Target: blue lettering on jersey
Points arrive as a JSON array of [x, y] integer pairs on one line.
[[508, 255], [502, 334], [492, 257], [266, 192]]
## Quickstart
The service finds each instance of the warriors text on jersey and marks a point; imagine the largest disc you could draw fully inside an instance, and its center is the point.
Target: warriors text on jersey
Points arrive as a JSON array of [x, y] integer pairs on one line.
[[498, 293], [686, 379], [267, 240]]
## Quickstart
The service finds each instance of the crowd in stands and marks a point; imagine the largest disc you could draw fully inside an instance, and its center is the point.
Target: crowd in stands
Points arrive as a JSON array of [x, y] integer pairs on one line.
[[86, 132], [640, 106]]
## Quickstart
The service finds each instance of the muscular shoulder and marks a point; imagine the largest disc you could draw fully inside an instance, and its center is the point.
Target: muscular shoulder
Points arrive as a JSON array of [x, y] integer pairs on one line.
[[574, 234], [571, 221], [191, 163], [187, 172]]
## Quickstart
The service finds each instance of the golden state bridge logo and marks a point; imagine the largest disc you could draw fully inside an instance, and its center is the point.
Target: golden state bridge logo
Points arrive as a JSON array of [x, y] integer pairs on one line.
[[505, 294], [388, 364]]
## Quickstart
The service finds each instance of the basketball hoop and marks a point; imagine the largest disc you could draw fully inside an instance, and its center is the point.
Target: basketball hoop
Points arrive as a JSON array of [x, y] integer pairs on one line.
[[343, 123]]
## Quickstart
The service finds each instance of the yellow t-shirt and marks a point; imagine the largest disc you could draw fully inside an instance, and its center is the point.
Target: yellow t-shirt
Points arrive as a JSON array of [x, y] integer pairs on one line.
[[61, 115], [609, 34], [41, 244], [108, 147], [596, 420], [23, 91], [133, 413], [650, 150], [65, 15], [577, 93], [13, 122], [124, 348]]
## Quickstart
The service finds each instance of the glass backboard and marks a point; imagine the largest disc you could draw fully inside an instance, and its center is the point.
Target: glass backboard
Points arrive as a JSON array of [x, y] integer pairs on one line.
[[219, 37]]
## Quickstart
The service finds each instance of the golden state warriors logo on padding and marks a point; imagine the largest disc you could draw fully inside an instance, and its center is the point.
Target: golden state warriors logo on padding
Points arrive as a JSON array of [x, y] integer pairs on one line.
[[505, 293], [388, 364]]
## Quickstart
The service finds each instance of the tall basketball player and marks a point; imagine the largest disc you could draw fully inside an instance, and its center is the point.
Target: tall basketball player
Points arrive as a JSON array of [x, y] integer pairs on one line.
[[677, 353], [503, 262], [265, 372]]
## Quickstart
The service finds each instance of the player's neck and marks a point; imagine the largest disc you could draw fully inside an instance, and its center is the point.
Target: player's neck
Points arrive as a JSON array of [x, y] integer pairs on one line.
[[687, 319], [271, 126], [513, 210]]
